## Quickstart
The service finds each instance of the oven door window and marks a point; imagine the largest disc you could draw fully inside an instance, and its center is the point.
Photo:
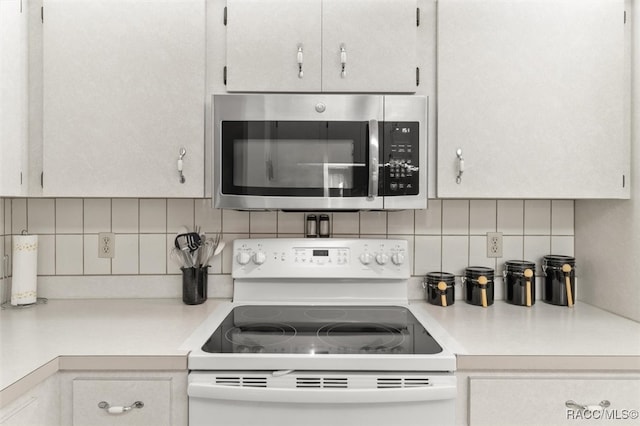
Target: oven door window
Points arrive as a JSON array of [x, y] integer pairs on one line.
[[295, 158]]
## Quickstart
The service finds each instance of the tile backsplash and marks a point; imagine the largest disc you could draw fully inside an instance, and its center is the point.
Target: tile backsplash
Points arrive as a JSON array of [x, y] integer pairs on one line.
[[449, 236]]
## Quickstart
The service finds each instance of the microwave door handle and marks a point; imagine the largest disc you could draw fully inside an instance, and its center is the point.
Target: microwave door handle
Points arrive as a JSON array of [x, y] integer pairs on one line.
[[374, 146]]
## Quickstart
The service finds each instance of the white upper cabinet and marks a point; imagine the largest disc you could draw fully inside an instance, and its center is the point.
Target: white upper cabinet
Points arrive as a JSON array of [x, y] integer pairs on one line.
[[13, 97], [265, 40], [123, 94], [369, 45], [535, 95], [321, 45]]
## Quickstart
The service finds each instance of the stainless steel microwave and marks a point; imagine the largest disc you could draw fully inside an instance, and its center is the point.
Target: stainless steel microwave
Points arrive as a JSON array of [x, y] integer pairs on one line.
[[319, 152]]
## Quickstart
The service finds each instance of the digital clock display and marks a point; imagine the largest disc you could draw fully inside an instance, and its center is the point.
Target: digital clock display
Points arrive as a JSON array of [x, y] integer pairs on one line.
[[321, 252]]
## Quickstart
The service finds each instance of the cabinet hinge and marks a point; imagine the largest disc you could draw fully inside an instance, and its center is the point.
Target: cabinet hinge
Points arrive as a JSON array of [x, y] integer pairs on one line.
[[417, 76], [225, 16], [417, 17], [224, 75]]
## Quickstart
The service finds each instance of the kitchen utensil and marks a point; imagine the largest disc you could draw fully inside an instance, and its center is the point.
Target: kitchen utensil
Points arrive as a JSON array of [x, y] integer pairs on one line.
[[559, 280], [440, 288], [181, 257], [219, 248], [206, 252], [566, 268], [528, 273], [479, 285], [482, 281], [518, 275]]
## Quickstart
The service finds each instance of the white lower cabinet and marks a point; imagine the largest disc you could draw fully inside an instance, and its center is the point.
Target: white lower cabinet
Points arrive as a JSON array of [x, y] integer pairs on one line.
[[547, 399], [40, 406], [124, 398]]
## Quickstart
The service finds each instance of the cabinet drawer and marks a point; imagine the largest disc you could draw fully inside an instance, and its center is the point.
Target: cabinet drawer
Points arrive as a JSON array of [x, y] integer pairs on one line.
[[538, 401], [154, 393]]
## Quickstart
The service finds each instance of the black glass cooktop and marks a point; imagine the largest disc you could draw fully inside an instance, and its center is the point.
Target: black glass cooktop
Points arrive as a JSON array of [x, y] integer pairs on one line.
[[321, 330]]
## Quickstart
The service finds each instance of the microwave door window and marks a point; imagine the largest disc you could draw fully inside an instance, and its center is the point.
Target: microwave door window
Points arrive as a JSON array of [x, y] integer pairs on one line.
[[294, 159]]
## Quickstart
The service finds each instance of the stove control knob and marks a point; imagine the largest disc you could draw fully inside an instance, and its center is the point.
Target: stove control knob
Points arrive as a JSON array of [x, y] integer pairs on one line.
[[397, 258], [243, 258], [259, 257], [365, 258], [382, 258]]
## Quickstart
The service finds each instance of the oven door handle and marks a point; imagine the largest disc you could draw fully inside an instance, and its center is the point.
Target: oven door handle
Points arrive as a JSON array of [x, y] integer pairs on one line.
[[374, 147], [322, 396]]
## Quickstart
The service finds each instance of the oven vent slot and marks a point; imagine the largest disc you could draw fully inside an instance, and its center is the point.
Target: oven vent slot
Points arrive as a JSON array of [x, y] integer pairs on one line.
[[245, 382], [322, 382], [402, 382]]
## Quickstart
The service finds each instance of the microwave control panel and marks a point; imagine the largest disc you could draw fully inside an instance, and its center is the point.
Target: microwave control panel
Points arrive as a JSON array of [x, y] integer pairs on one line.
[[400, 158]]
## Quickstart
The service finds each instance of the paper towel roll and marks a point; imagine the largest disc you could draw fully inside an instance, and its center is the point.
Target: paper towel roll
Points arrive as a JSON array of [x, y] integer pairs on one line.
[[25, 270]]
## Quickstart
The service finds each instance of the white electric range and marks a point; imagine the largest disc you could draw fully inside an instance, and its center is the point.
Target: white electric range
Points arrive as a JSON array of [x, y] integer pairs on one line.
[[320, 331]]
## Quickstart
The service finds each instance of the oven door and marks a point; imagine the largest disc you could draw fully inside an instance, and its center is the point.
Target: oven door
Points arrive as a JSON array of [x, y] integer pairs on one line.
[[313, 398], [299, 152]]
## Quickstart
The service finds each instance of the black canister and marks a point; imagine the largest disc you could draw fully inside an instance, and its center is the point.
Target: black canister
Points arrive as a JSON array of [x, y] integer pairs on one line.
[[520, 282], [478, 281], [194, 285], [559, 279], [440, 288]]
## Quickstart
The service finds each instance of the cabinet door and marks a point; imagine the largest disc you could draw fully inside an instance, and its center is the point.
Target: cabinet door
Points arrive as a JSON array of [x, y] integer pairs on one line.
[[533, 93], [39, 406], [13, 96], [537, 401], [123, 93], [265, 40], [376, 40]]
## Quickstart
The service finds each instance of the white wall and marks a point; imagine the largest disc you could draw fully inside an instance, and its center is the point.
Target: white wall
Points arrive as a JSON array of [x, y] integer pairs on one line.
[[608, 232]]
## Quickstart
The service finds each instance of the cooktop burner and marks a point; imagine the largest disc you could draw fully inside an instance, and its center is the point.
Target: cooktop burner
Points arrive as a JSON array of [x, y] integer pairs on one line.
[[321, 330]]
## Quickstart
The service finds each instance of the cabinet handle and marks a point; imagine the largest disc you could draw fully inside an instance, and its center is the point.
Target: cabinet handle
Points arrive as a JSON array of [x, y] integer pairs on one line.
[[343, 60], [588, 407], [183, 152], [120, 409], [460, 166], [300, 61]]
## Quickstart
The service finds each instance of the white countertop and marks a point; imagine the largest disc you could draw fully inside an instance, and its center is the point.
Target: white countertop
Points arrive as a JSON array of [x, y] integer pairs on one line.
[[33, 337], [543, 337]]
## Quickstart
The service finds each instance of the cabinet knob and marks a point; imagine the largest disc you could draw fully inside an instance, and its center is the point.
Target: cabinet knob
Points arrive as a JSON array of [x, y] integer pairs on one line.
[[300, 61], [119, 409]]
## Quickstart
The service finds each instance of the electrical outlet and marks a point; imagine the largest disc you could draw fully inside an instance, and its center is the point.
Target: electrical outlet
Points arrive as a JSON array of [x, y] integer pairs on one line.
[[106, 245], [494, 244]]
